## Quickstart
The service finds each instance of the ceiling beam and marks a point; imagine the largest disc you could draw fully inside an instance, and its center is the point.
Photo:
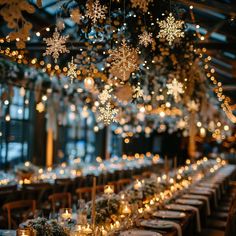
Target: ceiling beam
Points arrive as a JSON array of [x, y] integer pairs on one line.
[[218, 45], [222, 8]]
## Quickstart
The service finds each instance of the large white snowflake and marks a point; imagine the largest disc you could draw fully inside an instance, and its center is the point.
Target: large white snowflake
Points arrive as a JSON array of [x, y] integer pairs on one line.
[[107, 114], [145, 38], [105, 95], [192, 106], [137, 92], [95, 11], [175, 88], [124, 61], [72, 69], [170, 29], [141, 4], [56, 45]]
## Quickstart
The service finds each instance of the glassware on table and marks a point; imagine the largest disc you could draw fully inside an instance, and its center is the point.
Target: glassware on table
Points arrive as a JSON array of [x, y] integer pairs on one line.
[[23, 232]]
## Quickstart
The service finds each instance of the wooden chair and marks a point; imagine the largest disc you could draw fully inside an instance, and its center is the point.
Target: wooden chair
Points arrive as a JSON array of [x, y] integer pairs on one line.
[[60, 200], [7, 196], [122, 183], [116, 185], [147, 174], [139, 177], [63, 185], [84, 193], [100, 189], [41, 190], [21, 205]]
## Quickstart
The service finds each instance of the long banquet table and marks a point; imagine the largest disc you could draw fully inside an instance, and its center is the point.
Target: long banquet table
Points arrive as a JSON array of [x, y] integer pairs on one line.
[[197, 201]]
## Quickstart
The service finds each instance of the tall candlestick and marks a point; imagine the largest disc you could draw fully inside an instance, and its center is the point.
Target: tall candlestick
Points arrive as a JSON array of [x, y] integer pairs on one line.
[[94, 202]]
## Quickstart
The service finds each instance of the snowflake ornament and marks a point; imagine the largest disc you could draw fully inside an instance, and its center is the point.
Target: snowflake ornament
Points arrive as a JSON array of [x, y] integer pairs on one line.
[[107, 114], [145, 38], [56, 45], [137, 92], [124, 61], [193, 106], [181, 124], [76, 16], [72, 70], [175, 88], [95, 11], [105, 95], [170, 29], [141, 4]]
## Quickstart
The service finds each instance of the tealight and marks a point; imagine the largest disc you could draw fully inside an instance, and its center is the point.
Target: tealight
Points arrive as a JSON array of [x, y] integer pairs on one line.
[[137, 185], [65, 214], [23, 232], [109, 189]]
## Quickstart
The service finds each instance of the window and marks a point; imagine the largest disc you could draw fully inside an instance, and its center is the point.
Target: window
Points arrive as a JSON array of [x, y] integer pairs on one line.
[[77, 137], [16, 126]]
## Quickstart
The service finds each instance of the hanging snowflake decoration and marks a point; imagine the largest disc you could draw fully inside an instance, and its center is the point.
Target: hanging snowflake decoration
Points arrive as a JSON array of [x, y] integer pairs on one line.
[[107, 114], [72, 70], [181, 124], [124, 61], [76, 16], [145, 38], [170, 29], [95, 11], [175, 88], [137, 92], [105, 95], [193, 106], [56, 45], [40, 107], [141, 4]]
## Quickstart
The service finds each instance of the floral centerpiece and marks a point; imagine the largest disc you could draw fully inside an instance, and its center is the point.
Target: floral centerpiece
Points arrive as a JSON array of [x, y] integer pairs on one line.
[[44, 227], [105, 208]]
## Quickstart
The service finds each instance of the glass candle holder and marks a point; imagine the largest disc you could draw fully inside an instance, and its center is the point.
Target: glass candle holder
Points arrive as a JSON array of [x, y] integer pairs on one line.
[[82, 230], [108, 189], [65, 215], [23, 232]]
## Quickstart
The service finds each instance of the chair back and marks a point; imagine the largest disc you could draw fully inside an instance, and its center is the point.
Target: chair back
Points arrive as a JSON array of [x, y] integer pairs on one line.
[[122, 183], [63, 185], [26, 208], [41, 190], [115, 184], [60, 200], [147, 174], [7, 196], [84, 193], [230, 226]]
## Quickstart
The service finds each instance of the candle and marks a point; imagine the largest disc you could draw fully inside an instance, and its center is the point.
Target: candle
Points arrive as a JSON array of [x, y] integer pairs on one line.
[[23, 232], [126, 209], [87, 230], [109, 189], [83, 230], [104, 232], [66, 215], [140, 210], [137, 185], [117, 224]]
